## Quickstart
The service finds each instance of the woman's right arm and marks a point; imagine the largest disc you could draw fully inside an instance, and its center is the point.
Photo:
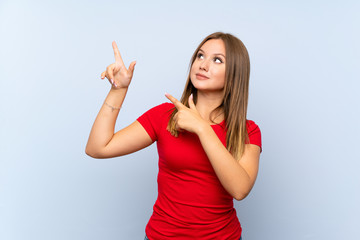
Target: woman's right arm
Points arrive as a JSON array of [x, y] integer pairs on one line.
[[102, 142]]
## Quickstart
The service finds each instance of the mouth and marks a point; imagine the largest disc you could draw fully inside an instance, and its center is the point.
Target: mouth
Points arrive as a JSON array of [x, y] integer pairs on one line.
[[201, 77]]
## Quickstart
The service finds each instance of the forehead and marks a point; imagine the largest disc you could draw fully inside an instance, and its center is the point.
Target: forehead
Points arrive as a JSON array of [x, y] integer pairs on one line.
[[214, 46]]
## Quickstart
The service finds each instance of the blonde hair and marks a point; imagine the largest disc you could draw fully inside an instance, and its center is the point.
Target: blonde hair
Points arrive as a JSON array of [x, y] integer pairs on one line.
[[236, 91]]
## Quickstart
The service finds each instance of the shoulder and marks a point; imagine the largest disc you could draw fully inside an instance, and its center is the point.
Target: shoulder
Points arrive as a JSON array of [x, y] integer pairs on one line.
[[251, 125], [166, 106], [159, 111], [254, 133], [162, 108], [155, 119]]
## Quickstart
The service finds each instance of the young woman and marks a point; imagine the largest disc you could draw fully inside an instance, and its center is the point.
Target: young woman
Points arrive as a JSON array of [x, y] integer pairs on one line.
[[208, 151]]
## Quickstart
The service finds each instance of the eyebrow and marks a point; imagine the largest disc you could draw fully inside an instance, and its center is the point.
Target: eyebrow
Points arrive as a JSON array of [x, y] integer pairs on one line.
[[214, 53]]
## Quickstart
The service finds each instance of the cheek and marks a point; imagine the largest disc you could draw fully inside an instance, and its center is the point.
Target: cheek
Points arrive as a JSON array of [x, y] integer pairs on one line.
[[192, 72], [220, 74], [193, 67]]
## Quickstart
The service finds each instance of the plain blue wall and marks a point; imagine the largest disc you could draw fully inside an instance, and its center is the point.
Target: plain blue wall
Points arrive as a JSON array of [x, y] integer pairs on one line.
[[303, 94]]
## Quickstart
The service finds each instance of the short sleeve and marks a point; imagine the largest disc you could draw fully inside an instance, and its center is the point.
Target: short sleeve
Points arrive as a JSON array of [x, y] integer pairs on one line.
[[254, 133], [153, 119]]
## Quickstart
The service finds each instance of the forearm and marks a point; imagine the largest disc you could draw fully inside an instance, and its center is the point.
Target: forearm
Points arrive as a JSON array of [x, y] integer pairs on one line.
[[104, 125], [229, 171]]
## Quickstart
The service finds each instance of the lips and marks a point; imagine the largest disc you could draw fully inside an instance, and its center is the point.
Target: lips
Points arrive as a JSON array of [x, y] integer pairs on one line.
[[201, 77]]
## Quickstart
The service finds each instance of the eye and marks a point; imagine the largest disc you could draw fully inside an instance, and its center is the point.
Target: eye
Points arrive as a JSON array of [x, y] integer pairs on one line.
[[218, 60], [200, 55]]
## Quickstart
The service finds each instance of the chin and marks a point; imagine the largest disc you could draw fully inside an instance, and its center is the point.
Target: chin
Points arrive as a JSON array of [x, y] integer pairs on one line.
[[206, 86]]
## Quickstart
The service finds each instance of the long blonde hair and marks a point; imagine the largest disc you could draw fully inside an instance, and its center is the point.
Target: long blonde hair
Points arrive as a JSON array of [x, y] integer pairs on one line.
[[236, 91]]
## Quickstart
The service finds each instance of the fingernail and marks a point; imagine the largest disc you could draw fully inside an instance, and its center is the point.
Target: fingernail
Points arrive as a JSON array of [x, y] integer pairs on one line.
[[191, 96], [115, 85], [112, 81]]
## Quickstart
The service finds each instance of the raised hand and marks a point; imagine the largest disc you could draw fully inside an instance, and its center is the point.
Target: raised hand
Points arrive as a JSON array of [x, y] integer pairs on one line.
[[117, 74], [188, 119]]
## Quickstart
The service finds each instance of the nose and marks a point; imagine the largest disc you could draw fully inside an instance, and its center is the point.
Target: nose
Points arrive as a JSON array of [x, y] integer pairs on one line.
[[204, 65]]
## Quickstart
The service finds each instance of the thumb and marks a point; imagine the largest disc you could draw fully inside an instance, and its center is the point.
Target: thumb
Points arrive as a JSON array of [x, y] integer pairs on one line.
[[132, 67], [191, 102]]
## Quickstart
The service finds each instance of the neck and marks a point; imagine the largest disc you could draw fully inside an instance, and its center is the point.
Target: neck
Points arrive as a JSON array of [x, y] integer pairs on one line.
[[207, 102]]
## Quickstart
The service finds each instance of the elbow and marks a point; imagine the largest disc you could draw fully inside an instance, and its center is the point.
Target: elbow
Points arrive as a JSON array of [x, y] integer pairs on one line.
[[98, 153], [242, 191], [240, 196], [91, 153]]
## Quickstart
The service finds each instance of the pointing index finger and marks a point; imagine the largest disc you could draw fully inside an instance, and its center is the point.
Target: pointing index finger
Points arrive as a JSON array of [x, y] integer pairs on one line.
[[176, 102], [117, 55]]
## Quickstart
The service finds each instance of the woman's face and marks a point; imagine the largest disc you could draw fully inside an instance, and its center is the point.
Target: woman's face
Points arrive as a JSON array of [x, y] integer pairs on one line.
[[208, 70]]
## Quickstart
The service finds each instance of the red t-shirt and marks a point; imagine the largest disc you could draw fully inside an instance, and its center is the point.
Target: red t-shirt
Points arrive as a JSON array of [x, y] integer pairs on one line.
[[191, 203]]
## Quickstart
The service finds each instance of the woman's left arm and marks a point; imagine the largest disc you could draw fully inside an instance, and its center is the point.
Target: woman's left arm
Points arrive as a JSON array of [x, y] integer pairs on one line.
[[236, 175]]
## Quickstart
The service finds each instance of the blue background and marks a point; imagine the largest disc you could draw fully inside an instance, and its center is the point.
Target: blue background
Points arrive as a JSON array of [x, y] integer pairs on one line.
[[303, 95]]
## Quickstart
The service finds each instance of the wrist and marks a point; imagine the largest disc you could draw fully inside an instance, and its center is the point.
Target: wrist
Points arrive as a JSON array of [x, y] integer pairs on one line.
[[118, 90], [203, 128]]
